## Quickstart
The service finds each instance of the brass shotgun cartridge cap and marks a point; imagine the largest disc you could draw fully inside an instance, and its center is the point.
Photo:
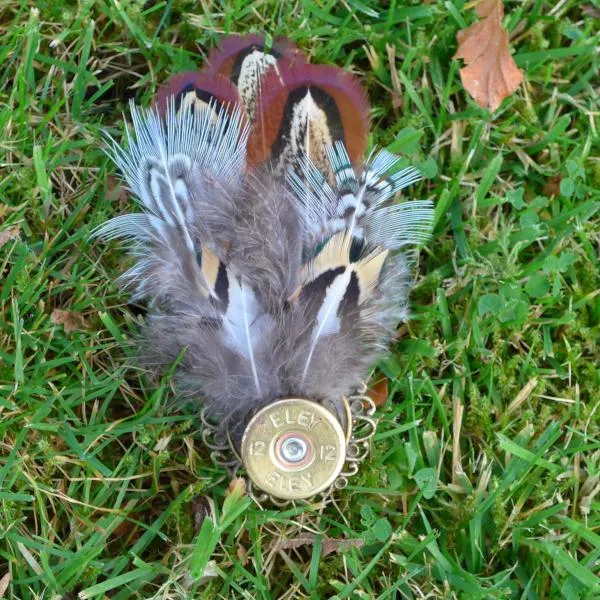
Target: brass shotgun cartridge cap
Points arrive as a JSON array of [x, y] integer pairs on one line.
[[293, 449]]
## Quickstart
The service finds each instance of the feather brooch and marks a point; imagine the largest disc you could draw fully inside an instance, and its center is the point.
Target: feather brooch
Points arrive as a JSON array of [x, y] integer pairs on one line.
[[272, 254]]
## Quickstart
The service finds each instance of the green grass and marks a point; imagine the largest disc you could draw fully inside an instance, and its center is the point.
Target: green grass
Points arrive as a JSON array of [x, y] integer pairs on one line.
[[485, 475]]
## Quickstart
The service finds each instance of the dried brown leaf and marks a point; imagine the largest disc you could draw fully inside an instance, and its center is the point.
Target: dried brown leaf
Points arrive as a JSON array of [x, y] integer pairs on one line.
[[378, 391], [330, 545], [71, 321], [490, 74], [237, 487], [115, 191], [552, 186], [201, 509], [9, 234]]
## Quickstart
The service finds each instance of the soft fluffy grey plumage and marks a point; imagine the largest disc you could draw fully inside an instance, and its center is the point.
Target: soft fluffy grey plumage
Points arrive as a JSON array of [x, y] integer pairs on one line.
[[266, 243], [268, 333]]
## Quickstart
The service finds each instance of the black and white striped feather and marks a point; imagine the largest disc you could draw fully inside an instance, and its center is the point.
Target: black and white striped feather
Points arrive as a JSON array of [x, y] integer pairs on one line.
[[359, 203]]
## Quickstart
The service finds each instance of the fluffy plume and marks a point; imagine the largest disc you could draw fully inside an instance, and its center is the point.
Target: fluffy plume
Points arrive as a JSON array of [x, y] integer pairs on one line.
[[274, 287]]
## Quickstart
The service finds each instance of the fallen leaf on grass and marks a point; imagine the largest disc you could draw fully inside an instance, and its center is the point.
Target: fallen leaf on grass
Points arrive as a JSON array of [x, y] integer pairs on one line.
[[589, 490], [9, 234], [552, 186], [162, 444], [115, 191], [329, 546], [71, 321], [242, 555], [125, 529], [236, 487], [490, 74], [201, 509], [378, 391]]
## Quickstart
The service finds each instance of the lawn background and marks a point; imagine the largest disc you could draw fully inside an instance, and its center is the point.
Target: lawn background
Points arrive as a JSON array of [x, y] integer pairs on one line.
[[485, 475]]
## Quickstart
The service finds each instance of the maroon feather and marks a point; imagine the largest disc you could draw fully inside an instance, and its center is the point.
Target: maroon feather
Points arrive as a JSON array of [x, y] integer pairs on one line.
[[229, 57], [305, 108], [245, 59], [194, 88]]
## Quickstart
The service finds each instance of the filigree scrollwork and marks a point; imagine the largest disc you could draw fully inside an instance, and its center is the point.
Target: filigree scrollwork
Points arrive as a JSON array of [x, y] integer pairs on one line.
[[360, 409]]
